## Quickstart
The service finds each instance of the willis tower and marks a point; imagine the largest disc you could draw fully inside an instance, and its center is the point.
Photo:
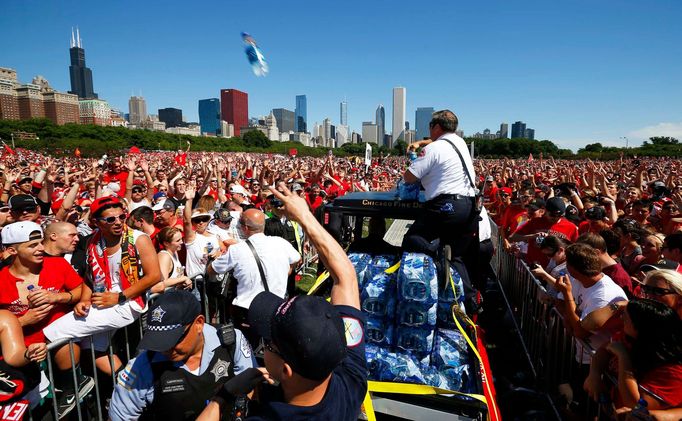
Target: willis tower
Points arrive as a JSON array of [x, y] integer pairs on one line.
[[81, 76]]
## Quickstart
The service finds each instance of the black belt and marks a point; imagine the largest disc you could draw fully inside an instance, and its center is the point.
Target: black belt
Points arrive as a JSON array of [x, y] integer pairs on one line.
[[450, 196]]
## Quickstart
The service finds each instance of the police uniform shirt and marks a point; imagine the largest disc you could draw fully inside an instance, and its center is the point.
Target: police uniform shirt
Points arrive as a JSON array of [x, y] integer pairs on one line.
[[134, 389], [440, 169]]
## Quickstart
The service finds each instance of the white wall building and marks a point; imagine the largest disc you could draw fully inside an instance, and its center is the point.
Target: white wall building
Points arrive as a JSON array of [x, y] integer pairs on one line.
[[399, 104]]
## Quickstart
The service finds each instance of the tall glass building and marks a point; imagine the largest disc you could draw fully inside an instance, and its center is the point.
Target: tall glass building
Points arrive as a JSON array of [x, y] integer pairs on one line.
[[380, 121], [301, 114], [422, 118], [344, 113], [209, 115]]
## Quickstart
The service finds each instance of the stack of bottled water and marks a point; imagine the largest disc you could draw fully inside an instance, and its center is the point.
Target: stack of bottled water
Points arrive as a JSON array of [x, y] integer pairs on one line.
[[447, 297], [408, 331], [378, 298], [361, 262], [417, 308]]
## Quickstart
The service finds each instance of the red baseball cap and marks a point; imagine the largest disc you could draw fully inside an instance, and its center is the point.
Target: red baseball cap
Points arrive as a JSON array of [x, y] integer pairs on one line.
[[100, 203]]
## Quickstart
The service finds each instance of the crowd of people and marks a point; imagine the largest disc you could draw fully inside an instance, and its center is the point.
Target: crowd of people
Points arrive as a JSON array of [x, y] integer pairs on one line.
[[86, 241], [605, 240]]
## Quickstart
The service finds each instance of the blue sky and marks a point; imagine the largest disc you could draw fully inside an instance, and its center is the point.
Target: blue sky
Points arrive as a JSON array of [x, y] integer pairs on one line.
[[576, 71]]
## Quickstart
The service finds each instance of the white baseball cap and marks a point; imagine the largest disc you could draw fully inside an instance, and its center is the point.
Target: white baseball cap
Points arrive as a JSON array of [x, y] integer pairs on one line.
[[238, 189], [21, 232]]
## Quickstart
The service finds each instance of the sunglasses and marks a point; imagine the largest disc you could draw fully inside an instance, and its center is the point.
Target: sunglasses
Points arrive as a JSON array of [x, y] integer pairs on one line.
[[4, 209], [112, 219], [201, 219], [656, 291], [137, 190], [268, 345], [28, 209]]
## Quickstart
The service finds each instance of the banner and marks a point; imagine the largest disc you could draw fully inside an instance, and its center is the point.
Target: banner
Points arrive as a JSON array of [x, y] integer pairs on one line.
[[368, 155]]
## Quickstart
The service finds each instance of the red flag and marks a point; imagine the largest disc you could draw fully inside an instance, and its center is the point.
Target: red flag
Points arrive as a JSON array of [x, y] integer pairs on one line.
[[8, 149], [77, 152], [134, 149], [530, 157]]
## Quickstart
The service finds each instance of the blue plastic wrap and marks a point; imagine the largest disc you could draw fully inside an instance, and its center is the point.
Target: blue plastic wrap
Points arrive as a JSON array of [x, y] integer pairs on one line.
[[449, 357], [362, 264], [408, 191], [414, 339], [417, 278], [416, 314], [378, 296], [380, 263], [393, 367], [379, 332]]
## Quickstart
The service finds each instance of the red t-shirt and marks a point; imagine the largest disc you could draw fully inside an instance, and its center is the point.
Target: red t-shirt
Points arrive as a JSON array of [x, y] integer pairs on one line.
[[563, 229], [514, 216], [315, 203], [56, 275], [666, 382], [121, 177], [620, 277]]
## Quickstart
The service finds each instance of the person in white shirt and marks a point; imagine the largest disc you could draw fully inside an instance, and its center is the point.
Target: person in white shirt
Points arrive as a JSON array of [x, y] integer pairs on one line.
[[201, 244], [277, 257]]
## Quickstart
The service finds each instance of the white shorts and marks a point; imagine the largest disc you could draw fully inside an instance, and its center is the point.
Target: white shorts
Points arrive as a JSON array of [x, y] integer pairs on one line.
[[99, 324]]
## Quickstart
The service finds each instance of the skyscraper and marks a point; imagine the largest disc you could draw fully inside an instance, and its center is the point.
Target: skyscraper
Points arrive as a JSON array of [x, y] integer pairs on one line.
[[369, 132], [399, 102], [529, 134], [234, 108], [301, 114], [171, 116], [344, 113], [380, 121], [137, 110], [518, 130], [81, 76], [422, 118], [285, 119], [209, 116], [504, 131]]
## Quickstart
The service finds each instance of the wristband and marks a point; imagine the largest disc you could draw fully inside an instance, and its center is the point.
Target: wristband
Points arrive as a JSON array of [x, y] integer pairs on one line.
[[70, 297], [26, 355]]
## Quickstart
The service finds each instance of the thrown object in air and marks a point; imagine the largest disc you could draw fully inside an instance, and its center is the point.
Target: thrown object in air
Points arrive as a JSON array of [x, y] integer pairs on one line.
[[256, 59]]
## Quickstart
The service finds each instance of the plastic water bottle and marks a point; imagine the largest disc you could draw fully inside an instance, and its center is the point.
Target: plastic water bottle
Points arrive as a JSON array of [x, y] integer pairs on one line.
[[209, 249], [414, 339], [378, 296], [99, 284], [361, 262], [379, 332], [412, 155]]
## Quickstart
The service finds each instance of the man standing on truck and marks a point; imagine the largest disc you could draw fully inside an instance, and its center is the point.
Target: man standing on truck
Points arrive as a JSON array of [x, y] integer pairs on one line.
[[446, 172]]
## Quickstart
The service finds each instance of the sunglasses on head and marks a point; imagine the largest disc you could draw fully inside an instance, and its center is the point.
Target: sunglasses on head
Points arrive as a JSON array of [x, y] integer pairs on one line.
[[112, 219], [656, 291]]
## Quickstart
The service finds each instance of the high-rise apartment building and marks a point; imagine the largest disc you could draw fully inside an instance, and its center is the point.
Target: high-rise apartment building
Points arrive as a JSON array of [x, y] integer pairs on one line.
[[326, 131], [529, 134], [399, 104], [285, 119], [380, 121], [518, 130], [301, 114], [422, 118], [95, 111], [81, 76], [209, 116], [344, 113], [234, 108], [171, 116], [137, 110]]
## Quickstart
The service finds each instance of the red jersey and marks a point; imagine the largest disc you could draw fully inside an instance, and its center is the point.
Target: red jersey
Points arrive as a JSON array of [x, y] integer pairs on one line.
[[666, 382], [121, 177], [563, 229], [57, 275], [513, 217], [315, 203]]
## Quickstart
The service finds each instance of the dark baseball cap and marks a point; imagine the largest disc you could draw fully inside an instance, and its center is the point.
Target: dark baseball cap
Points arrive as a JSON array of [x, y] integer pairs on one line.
[[223, 215], [19, 202], [555, 205], [167, 320], [661, 264], [595, 213], [536, 204], [307, 330]]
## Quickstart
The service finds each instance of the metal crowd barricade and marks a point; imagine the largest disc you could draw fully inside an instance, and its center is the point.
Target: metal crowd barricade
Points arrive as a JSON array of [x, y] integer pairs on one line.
[[93, 406], [550, 349]]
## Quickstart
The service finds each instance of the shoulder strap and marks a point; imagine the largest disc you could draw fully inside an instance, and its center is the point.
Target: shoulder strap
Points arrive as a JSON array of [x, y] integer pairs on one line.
[[464, 165], [260, 265]]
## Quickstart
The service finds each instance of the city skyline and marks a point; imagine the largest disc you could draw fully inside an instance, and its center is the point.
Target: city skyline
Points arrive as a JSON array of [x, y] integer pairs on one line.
[[578, 84]]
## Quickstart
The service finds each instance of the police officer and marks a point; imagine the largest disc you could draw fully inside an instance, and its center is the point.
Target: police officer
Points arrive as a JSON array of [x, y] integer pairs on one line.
[[446, 172], [182, 363]]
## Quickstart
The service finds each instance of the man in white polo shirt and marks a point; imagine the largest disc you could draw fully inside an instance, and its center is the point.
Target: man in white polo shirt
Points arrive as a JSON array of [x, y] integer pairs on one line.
[[277, 258]]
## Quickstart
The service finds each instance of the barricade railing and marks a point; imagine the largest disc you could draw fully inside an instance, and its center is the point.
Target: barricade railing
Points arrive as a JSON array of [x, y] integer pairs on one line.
[[124, 343], [552, 351]]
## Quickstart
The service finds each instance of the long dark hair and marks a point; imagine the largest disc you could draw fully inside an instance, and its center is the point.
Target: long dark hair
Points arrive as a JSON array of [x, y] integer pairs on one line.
[[659, 335]]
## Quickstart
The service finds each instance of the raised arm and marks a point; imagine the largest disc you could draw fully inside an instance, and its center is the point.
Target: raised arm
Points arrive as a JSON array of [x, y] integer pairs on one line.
[[190, 192], [345, 289]]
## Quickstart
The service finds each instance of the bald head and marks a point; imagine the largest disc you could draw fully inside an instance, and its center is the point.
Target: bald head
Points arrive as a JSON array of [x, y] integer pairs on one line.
[[60, 238], [254, 220]]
